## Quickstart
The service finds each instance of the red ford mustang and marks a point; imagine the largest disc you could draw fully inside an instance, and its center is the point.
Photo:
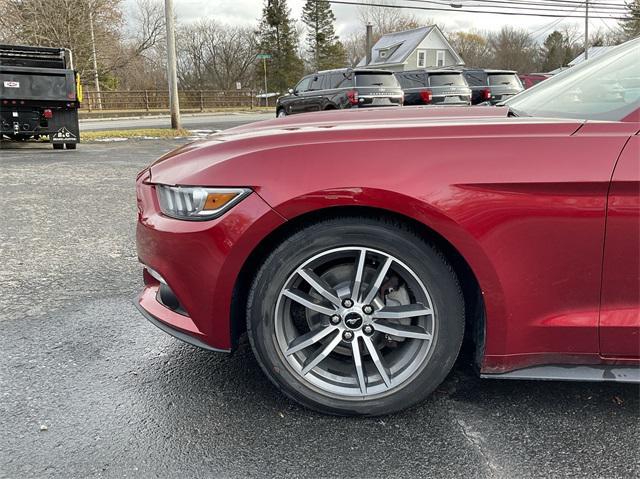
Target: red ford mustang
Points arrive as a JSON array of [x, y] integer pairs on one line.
[[357, 249]]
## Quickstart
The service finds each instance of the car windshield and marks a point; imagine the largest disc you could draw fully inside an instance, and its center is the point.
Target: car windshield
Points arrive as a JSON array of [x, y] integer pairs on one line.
[[604, 88], [446, 79], [376, 79], [506, 79]]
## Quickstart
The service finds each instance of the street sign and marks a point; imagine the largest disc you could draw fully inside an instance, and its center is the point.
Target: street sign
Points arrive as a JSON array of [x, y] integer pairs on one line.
[[263, 56]]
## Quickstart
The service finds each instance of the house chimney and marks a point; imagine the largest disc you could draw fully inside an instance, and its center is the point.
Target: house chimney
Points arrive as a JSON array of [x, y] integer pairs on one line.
[[369, 42]]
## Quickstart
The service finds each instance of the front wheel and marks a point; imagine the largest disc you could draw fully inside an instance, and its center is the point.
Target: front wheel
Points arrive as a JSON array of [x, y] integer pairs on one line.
[[281, 113], [356, 316]]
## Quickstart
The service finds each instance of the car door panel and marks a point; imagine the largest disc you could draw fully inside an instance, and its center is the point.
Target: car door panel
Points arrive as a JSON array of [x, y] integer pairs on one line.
[[620, 309], [314, 95]]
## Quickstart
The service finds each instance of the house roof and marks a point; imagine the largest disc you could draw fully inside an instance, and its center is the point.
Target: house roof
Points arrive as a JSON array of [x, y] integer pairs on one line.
[[593, 52], [399, 46]]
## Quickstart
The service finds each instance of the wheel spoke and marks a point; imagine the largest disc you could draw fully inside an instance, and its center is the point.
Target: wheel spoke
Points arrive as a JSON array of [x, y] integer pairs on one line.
[[307, 339], [376, 360], [357, 359], [313, 360], [373, 291], [307, 301], [402, 330], [357, 280], [320, 285], [402, 311]]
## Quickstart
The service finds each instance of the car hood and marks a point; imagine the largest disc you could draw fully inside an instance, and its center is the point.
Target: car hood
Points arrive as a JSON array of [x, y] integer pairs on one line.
[[182, 165]]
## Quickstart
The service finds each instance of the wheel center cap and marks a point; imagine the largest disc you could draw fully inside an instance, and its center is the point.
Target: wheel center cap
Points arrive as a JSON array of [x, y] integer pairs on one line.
[[353, 320]]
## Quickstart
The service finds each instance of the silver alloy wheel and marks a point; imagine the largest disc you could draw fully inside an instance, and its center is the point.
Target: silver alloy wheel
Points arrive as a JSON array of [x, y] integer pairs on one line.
[[355, 322], [281, 113]]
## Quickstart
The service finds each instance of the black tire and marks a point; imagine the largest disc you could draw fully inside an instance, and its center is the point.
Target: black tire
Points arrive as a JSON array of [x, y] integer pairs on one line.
[[70, 146], [58, 146], [393, 238]]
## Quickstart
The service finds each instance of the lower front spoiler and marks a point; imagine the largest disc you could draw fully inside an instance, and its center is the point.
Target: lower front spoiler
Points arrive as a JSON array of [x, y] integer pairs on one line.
[[167, 328], [599, 372]]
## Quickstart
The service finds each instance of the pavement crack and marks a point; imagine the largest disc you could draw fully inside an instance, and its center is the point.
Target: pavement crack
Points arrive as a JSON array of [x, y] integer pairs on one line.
[[475, 439]]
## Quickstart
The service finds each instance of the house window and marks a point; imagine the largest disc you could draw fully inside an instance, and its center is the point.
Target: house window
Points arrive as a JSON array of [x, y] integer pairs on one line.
[[440, 58], [383, 54], [422, 58]]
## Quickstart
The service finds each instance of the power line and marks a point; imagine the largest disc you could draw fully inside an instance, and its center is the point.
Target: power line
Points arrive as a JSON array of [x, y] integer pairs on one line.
[[577, 2], [520, 7], [453, 10], [551, 6], [554, 23]]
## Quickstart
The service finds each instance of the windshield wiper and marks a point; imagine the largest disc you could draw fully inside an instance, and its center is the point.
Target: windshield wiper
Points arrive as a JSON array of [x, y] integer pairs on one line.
[[377, 84]]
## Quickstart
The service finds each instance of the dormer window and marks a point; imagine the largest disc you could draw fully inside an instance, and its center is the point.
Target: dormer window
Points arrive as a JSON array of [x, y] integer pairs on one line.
[[383, 54]]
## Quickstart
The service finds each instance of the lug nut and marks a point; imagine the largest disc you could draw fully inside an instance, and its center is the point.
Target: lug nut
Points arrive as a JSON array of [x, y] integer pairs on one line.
[[335, 319], [368, 309], [347, 335], [347, 303], [368, 329]]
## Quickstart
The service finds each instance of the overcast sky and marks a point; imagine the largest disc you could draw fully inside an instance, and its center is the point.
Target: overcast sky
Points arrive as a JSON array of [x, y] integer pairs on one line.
[[247, 12]]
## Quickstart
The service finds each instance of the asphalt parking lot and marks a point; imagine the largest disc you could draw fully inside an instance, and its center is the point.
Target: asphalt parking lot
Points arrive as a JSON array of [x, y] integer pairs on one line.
[[90, 389]]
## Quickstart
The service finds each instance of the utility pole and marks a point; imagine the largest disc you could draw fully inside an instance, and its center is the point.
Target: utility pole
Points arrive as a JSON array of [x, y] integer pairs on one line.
[[586, 30], [264, 57], [264, 64], [171, 64], [95, 59]]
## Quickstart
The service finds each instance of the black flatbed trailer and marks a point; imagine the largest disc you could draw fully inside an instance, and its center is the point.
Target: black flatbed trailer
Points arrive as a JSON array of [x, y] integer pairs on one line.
[[39, 95]]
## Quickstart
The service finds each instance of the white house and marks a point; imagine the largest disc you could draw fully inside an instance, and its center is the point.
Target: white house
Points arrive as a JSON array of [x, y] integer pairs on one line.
[[424, 47]]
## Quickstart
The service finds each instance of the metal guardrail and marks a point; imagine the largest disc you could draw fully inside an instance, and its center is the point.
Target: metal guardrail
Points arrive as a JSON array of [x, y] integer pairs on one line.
[[150, 100]]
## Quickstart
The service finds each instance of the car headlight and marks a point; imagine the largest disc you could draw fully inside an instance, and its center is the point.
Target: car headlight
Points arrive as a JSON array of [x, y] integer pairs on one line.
[[198, 203]]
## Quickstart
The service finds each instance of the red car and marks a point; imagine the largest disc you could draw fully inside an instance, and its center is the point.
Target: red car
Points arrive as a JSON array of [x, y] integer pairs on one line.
[[533, 79], [357, 249]]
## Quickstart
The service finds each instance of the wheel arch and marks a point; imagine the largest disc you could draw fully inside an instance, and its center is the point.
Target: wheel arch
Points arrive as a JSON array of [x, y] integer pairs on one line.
[[475, 328]]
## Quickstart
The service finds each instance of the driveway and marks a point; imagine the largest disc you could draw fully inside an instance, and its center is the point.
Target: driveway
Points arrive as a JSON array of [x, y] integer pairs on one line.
[[90, 389]]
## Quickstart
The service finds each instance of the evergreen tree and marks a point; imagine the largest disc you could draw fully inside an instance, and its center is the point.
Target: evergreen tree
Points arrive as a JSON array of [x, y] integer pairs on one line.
[[631, 25], [277, 36], [556, 51], [325, 49]]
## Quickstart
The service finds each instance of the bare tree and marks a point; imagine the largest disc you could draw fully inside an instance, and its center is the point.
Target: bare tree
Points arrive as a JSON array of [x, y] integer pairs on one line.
[[355, 48], [514, 49], [388, 20], [473, 47], [213, 55], [65, 23]]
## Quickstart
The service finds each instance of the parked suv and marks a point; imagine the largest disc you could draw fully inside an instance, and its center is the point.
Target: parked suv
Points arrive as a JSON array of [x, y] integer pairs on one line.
[[343, 88], [492, 86], [434, 87]]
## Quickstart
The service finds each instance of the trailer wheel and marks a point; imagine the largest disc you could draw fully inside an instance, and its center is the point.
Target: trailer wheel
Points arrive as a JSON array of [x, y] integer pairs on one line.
[[70, 146], [58, 146]]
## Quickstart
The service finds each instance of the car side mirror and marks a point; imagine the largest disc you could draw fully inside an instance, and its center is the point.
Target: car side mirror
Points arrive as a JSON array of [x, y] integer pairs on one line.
[[292, 91]]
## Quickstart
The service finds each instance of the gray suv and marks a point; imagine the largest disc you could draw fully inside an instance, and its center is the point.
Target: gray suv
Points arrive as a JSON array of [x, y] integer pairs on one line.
[[434, 87], [339, 89]]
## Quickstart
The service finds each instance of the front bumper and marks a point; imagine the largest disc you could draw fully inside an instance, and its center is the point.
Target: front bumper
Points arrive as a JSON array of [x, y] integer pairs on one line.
[[200, 262]]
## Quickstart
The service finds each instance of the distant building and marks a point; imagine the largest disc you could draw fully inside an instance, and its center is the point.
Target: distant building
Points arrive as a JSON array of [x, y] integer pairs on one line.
[[424, 47], [592, 53]]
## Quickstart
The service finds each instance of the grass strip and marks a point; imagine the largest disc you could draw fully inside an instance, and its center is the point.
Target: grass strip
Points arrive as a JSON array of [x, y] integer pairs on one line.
[[137, 133]]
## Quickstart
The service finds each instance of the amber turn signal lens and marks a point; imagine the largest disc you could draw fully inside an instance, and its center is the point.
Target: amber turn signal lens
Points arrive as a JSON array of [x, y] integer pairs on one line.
[[215, 201]]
